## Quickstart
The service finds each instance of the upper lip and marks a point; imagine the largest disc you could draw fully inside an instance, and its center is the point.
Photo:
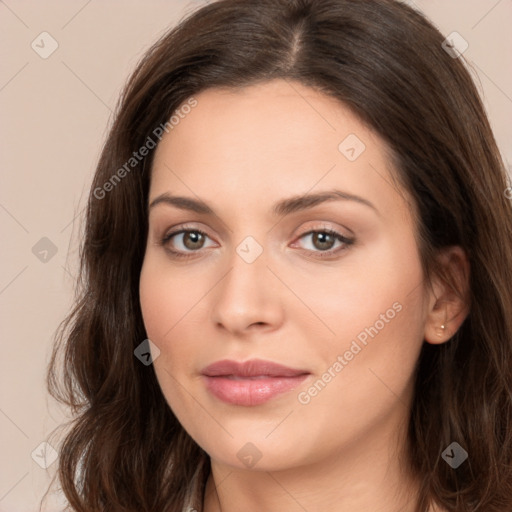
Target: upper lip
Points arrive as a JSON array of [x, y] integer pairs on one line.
[[251, 368]]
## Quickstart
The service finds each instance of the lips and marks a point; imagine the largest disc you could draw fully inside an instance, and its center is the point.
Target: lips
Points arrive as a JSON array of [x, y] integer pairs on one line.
[[252, 382]]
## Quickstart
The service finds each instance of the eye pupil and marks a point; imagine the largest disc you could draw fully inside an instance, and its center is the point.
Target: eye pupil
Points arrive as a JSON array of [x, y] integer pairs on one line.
[[323, 241], [193, 239]]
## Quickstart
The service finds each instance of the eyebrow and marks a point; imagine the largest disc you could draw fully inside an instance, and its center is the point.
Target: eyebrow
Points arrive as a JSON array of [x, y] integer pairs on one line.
[[281, 208]]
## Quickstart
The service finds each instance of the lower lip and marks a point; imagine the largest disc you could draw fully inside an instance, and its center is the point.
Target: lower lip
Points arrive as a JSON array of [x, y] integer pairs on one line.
[[249, 392]]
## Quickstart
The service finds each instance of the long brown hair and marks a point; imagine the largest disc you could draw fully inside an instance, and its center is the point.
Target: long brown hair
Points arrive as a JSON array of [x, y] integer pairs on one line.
[[125, 449]]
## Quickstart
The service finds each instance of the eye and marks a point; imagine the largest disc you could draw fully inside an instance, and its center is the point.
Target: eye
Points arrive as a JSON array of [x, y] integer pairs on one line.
[[185, 241], [324, 242]]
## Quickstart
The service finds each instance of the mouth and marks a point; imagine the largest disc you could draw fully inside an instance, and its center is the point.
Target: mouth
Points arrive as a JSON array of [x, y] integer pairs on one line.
[[252, 382]]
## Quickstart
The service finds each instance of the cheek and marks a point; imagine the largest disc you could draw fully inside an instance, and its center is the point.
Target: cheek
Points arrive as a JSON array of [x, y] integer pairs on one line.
[[167, 299], [374, 306], [362, 295], [367, 374], [366, 378], [172, 303], [167, 295]]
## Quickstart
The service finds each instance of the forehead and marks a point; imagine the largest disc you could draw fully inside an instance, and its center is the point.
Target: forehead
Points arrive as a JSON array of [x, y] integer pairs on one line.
[[268, 141], [271, 119]]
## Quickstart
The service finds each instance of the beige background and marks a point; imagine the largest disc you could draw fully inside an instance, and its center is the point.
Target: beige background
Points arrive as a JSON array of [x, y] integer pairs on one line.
[[54, 114]]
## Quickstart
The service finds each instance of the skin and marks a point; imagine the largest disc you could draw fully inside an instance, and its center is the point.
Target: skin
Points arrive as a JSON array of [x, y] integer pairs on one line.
[[241, 152]]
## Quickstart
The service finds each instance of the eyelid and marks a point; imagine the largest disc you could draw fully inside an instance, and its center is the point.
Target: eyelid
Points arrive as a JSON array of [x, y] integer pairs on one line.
[[315, 227], [187, 226]]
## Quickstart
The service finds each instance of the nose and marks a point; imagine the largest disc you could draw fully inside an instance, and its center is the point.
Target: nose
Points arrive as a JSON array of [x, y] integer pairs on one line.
[[248, 299]]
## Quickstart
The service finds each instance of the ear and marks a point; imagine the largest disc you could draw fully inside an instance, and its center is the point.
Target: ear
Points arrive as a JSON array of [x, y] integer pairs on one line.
[[448, 297]]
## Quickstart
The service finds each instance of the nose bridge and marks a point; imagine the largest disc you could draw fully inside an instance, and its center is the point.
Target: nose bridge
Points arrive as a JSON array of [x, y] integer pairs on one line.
[[246, 295]]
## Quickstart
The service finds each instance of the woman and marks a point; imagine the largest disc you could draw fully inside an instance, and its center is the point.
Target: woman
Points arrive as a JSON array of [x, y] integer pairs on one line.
[[295, 275]]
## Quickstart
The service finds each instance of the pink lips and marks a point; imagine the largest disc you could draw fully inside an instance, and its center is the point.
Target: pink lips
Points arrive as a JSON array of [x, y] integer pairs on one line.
[[252, 382]]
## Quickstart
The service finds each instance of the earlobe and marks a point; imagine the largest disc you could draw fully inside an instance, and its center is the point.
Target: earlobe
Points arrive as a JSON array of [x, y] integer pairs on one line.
[[440, 331], [449, 296]]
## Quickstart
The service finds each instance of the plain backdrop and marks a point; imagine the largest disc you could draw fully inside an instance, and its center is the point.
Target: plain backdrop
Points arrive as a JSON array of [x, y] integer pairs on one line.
[[54, 115]]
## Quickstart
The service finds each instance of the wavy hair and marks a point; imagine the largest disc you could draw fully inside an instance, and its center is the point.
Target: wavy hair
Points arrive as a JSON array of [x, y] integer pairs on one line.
[[125, 450]]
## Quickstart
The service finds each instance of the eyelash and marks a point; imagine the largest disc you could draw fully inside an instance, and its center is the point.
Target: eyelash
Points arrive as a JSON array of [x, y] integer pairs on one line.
[[319, 254]]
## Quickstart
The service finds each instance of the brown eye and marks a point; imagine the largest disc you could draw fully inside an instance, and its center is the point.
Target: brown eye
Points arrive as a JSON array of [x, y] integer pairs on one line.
[[193, 239], [323, 241], [185, 241]]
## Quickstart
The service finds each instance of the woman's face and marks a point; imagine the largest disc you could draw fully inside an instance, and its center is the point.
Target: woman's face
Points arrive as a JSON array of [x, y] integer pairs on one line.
[[343, 308]]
